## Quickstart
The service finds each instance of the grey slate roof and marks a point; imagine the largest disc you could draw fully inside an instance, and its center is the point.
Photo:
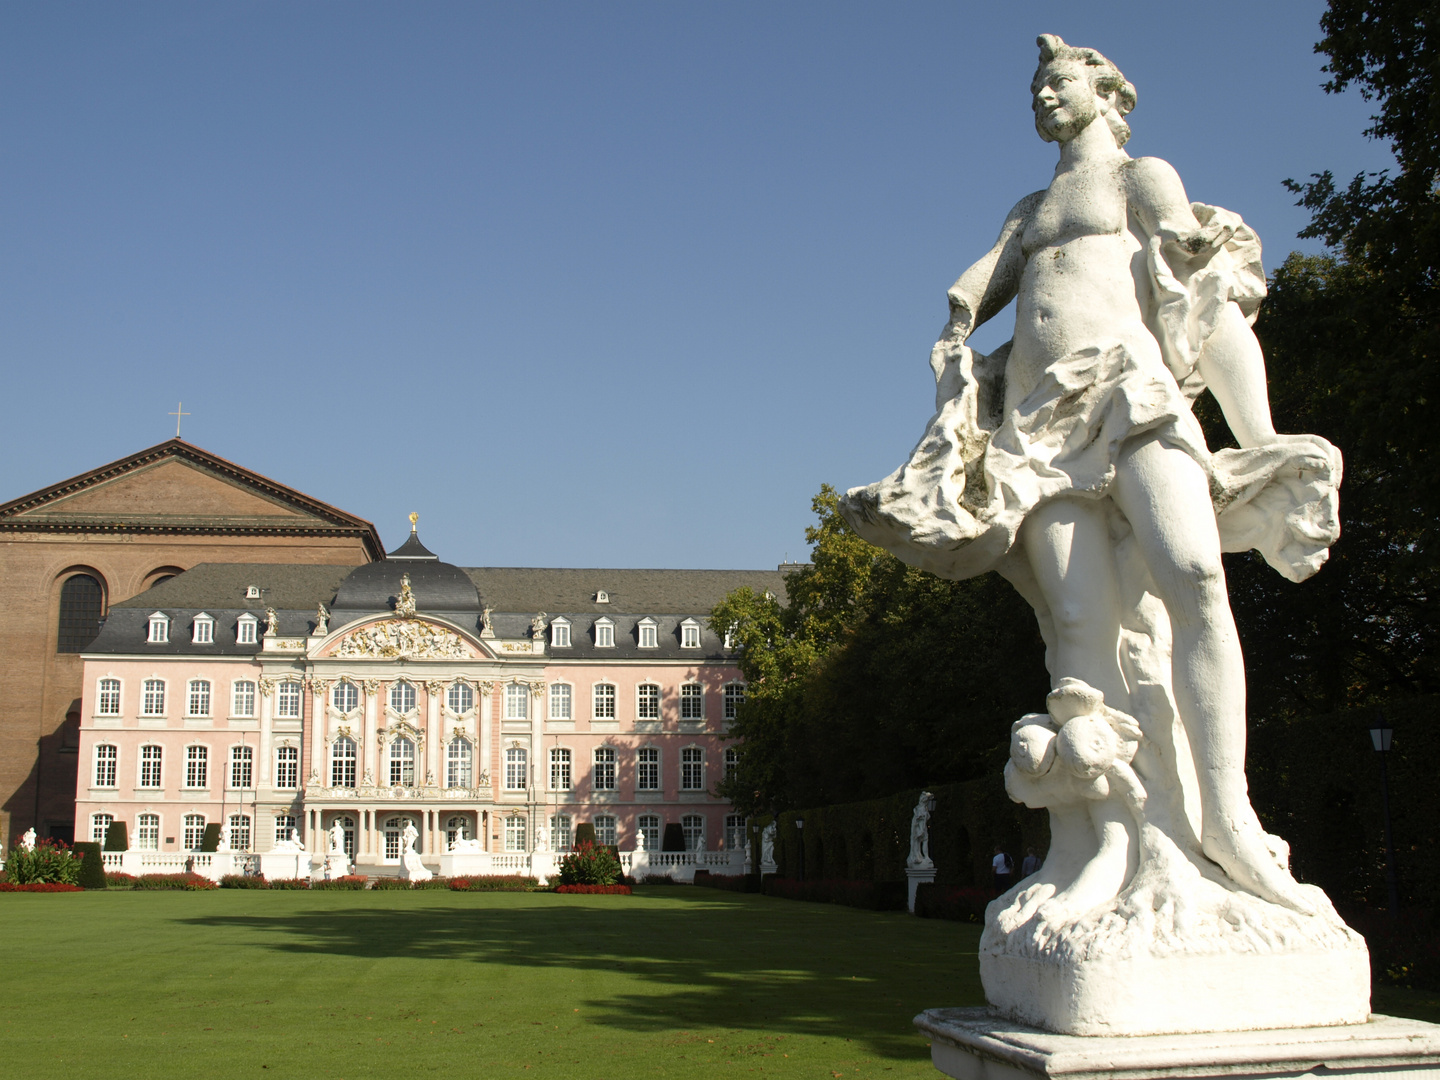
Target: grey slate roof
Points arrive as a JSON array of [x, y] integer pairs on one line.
[[295, 586], [640, 592]]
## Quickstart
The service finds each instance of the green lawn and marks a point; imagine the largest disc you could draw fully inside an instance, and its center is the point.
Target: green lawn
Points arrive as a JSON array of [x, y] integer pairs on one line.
[[678, 982]]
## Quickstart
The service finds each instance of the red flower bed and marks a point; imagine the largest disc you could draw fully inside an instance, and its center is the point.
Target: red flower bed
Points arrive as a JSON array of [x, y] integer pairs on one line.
[[596, 890], [41, 886]]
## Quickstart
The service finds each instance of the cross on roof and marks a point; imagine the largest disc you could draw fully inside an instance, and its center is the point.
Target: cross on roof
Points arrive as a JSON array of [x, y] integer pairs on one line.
[[178, 413]]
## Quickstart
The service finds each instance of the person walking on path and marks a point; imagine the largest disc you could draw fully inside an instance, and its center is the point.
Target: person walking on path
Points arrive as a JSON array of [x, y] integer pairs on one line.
[[1030, 864], [1004, 870]]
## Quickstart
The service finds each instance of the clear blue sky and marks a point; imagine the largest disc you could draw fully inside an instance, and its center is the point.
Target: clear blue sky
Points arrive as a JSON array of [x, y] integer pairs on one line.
[[584, 284]]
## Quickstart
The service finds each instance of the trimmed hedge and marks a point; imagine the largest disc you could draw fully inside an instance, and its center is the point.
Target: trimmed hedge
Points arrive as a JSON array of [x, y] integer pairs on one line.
[[243, 881], [384, 883], [746, 883], [185, 882], [585, 833], [506, 883], [674, 837], [92, 865], [210, 838], [957, 903], [596, 890], [116, 838], [348, 883], [40, 886], [872, 895]]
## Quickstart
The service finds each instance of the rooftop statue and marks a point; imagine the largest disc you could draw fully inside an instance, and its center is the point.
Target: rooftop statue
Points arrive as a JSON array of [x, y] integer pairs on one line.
[[1069, 461]]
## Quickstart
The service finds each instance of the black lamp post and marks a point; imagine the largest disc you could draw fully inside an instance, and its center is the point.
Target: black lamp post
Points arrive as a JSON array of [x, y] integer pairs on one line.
[[1380, 736], [800, 843]]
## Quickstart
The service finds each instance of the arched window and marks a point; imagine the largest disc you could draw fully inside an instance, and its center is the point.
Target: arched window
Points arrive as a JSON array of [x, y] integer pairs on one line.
[[99, 826], [82, 602], [242, 766], [287, 700], [604, 830], [287, 767], [457, 764], [561, 701], [194, 831], [516, 773], [692, 769], [515, 833], [402, 763], [197, 767], [242, 698], [732, 762], [560, 769], [402, 697], [394, 830], [734, 832], [147, 832], [649, 825], [647, 702], [694, 826], [461, 698], [454, 827], [198, 701], [517, 701], [345, 696], [604, 776], [109, 703], [107, 758], [283, 824], [342, 762], [239, 832], [347, 828], [562, 832], [647, 769]]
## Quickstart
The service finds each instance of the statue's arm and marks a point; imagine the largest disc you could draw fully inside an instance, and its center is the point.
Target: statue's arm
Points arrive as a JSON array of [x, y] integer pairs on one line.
[[1231, 362], [985, 288]]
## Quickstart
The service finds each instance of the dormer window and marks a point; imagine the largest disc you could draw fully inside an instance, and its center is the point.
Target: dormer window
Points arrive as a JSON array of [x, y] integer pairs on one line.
[[602, 597], [604, 634], [159, 628], [649, 634], [689, 634], [252, 592], [203, 630], [245, 629], [560, 634]]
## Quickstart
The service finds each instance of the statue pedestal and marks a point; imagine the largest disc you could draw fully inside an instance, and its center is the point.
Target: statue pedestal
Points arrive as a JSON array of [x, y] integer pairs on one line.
[[973, 1044], [916, 876], [336, 866]]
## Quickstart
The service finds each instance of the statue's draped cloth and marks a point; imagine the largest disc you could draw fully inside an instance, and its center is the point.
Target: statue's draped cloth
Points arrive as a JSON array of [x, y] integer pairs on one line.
[[956, 507]]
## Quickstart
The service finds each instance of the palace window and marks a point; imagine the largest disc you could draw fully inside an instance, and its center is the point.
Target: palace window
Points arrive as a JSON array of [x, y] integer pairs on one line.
[[287, 700], [242, 698], [202, 630], [239, 832], [460, 697], [454, 827], [108, 703], [649, 635], [342, 762], [734, 832], [402, 763], [647, 769], [602, 597], [198, 702], [732, 762], [647, 702], [649, 826], [197, 767], [99, 826], [694, 826], [107, 760], [689, 634], [394, 830], [604, 701], [194, 836], [604, 830], [242, 766], [562, 835], [560, 634], [159, 629], [692, 769], [517, 701], [151, 759], [152, 699], [516, 772], [82, 602], [604, 768], [245, 629], [734, 698], [515, 833], [284, 823], [147, 832], [692, 701], [287, 767], [345, 696], [562, 701], [402, 696], [457, 764], [559, 769], [604, 634]]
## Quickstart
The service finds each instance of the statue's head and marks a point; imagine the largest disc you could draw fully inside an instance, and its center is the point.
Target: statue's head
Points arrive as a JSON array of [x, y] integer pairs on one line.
[[1074, 85]]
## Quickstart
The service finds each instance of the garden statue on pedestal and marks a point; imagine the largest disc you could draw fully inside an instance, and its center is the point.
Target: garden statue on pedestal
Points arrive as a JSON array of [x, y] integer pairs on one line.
[[337, 863], [767, 849], [224, 842], [919, 858], [461, 846], [1069, 461], [27, 840], [411, 868]]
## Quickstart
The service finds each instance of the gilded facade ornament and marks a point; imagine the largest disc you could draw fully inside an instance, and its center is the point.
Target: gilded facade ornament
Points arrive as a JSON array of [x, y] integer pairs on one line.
[[405, 640], [405, 605]]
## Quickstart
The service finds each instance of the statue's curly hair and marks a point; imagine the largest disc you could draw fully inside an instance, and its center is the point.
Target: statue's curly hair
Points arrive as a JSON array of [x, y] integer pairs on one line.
[[1106, 78]]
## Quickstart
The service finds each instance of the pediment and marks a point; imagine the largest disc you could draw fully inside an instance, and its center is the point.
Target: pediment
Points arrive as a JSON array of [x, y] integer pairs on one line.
[[402, 639]]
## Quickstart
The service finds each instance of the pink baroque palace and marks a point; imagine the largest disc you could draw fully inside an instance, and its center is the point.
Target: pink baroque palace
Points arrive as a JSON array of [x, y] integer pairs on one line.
[[410, 717]]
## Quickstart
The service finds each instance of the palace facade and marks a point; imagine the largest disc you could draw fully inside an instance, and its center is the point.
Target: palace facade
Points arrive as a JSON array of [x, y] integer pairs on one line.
[[505, 704]]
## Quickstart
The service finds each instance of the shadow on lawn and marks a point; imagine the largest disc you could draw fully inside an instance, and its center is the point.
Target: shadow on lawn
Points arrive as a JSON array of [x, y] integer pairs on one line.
[[724, 963]]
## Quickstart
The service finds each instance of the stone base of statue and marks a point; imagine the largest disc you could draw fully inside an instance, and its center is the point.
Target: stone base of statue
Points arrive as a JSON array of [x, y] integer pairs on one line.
[[336, 866], [915, 876], [281, 864], [973, 1044], [412, 869]]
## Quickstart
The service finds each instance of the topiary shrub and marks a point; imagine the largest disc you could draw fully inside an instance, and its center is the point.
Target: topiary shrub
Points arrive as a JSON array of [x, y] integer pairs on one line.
[[210, 841], [674, 837], [590, 865], [92, 865], [116, 838], [585, 833]]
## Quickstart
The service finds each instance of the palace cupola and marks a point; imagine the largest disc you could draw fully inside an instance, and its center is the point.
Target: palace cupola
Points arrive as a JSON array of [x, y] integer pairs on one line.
[[437, 587]]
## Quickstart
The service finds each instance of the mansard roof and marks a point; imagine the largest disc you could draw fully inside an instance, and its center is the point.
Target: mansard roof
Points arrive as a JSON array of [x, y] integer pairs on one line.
[[175, 487], [633, 592]]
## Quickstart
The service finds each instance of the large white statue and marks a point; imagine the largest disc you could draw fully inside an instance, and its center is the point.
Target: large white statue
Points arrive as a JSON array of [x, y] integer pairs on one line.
[[27, 840], [337, 838], [767, 846], [410, 864], [461, 846], [1069, 461], [290, 845], [224, 842], [919, 858]]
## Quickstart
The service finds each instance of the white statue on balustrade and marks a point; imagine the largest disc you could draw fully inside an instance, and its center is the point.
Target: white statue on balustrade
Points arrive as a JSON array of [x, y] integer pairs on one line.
[[641, 842], [542, 839], [1069, 461], [920, 834], [410, 866], [462, 846], [224, 842], [290, 845]]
